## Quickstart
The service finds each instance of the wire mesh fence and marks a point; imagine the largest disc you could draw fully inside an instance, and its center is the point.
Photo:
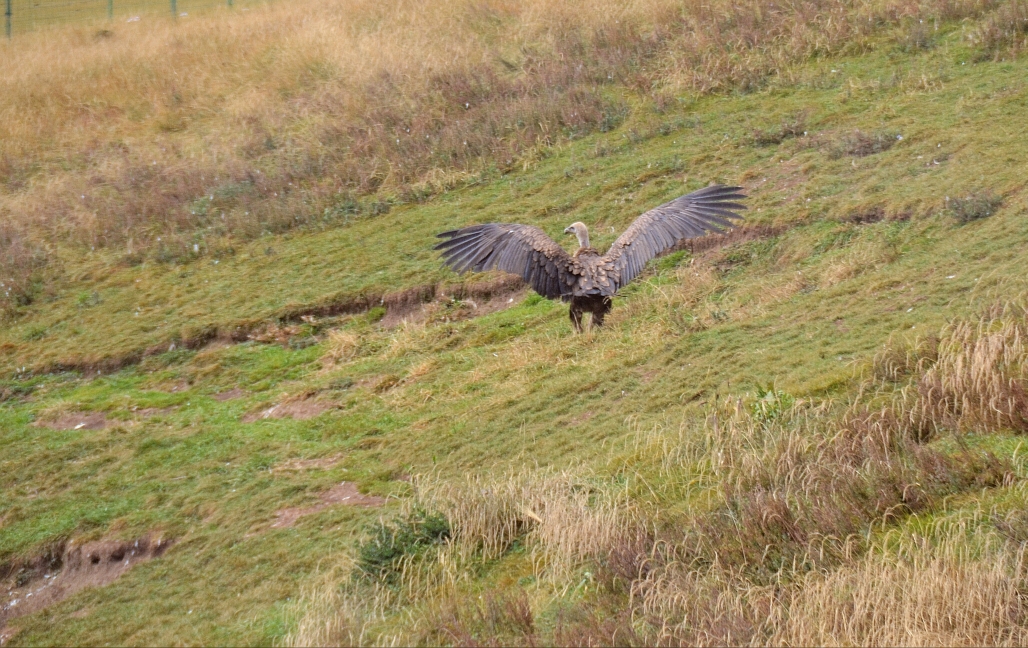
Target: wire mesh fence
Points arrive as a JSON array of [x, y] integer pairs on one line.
[[28, 15]]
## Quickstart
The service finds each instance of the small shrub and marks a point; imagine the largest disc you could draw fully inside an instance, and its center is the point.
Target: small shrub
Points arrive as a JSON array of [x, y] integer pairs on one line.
[[380, 556], [379, 207], [974, 207], [22, 262], [771, 405], [88, 299], [36, 332], [861, 144], [1004, 30], [341, 211], [916, 36], [796, 127]]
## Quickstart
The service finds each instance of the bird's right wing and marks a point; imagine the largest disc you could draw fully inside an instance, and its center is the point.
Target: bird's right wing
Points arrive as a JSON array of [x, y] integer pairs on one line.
[[519, 249], [711, 209]]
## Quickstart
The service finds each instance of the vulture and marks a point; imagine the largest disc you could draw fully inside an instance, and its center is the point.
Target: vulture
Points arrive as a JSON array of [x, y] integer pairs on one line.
[[586, 278]]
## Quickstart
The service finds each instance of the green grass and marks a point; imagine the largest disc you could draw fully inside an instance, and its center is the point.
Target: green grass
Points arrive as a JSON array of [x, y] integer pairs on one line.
[[803, 310]]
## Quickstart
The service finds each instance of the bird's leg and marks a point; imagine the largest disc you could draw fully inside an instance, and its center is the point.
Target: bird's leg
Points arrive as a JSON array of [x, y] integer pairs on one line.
[[576, 318], [599, 312]]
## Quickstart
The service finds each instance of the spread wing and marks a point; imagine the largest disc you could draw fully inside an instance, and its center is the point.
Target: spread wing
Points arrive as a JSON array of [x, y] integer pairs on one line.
[[710, 209], [520, 249]]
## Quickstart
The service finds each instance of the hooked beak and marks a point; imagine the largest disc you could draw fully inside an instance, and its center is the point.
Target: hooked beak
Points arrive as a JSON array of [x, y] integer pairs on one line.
[[569, 230]]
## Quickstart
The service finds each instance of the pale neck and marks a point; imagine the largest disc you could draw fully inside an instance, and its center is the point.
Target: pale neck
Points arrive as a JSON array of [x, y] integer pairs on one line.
[[583, 236]]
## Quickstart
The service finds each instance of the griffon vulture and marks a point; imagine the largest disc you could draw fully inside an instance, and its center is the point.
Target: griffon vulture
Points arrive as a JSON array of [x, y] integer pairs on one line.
[[586, 278]]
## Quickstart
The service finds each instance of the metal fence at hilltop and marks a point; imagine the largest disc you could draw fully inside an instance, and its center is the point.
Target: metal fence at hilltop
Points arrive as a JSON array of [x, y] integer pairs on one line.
[[27, 15]]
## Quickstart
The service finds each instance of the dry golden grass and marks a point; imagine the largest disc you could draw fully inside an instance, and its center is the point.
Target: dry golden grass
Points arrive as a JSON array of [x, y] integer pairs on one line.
[[1004, 32], [567, 518], [778, 547], [777, 552], [926, 596], [171, 140], [329, 616], [342, 346], [971, 377], [863, 257]]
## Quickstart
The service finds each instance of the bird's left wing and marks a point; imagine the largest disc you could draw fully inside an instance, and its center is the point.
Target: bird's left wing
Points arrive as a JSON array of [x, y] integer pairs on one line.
[[710, 209], [520, 249]]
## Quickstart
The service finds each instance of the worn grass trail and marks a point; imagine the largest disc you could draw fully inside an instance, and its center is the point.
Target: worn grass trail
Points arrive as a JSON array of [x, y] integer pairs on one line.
[[855, 249]]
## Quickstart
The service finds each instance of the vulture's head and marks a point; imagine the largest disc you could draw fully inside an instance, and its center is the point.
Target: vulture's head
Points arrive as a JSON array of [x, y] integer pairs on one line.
[[581, 231]]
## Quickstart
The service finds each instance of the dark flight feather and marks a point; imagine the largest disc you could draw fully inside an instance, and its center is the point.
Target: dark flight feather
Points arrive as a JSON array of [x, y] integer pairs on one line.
[[553, 273]]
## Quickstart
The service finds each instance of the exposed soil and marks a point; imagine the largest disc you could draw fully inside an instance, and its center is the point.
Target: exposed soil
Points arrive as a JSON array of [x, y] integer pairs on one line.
[[581, 418], [420, 303], [16, 392], [32, 585], [149, 412], [868, 215], [301, 410], [178, 387], [345, 493], [742, 234], [231, 394], [301, 465], [427, 303], [76, 421]]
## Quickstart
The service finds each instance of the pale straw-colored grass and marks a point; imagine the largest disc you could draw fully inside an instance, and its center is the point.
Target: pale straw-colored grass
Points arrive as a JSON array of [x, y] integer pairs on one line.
[[971, 377], [927, 596]]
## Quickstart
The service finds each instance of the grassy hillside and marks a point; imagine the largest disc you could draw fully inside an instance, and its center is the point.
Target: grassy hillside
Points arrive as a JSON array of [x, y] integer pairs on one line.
[[819, 412]]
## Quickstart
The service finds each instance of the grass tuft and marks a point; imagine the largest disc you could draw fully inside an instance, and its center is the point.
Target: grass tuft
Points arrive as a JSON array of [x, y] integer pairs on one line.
[[974, 207]]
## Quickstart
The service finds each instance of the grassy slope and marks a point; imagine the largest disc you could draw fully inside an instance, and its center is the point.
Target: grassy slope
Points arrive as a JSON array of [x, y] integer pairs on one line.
[[511, 388]]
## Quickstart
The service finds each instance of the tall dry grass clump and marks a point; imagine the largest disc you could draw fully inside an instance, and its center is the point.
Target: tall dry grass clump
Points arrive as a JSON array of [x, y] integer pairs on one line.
[[971, 377], [939, 596], [329, 616], [567, 518], [1003, 32], [792, 487], [980, 380], [22, 262], [341, 347]]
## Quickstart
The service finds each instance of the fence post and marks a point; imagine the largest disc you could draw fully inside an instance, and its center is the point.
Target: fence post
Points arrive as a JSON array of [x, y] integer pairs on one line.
[[7, 18], [110, 9], [229, 3], [174, 9]]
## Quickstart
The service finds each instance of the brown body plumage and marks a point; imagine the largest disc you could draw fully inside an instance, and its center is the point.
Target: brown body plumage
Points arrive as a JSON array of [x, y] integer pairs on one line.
[[586, 278]]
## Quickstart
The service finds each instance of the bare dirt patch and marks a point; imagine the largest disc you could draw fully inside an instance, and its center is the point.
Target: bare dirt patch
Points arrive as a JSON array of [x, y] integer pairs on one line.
[[231, 394], [174, 388], [345, 493], [742, 234], [15, 392], [76, 421], [33, 585], [298, 409], [301, 465], [430, 303], [578, 419], [150, 412]]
